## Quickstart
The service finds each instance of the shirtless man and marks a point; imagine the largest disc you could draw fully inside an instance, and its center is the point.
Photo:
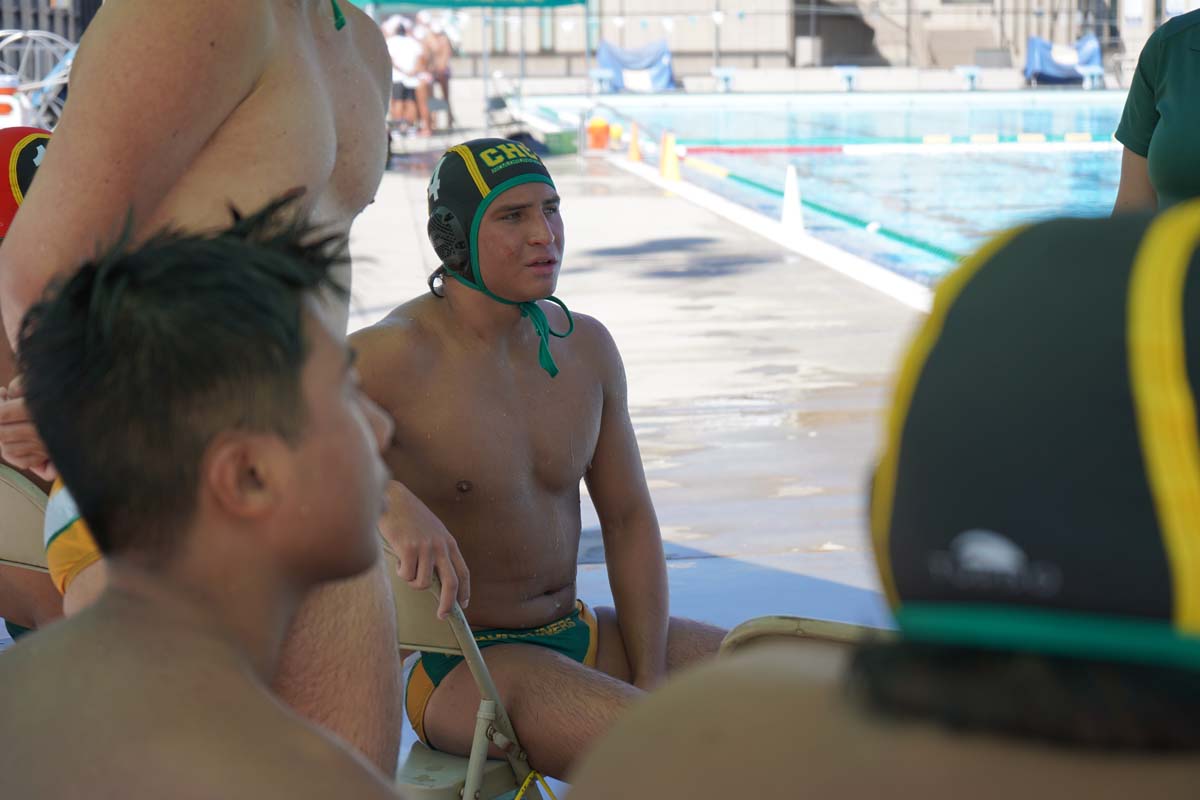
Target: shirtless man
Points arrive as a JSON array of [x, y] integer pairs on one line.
[[215, 519], [441, 50], [496, 446], [178, 110]]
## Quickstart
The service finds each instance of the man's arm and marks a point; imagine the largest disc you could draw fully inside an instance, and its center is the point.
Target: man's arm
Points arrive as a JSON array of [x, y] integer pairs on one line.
[[1134, 192], [151, 84], [420, 541], [637, 570]]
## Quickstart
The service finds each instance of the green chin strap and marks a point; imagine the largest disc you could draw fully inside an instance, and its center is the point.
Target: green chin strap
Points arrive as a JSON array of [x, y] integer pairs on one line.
[[339, 19], [537, 317], [529, 308]]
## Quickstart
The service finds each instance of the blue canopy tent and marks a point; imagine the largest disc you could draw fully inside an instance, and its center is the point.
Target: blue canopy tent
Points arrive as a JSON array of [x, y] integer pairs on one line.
[[654, 59], [1047, 64]]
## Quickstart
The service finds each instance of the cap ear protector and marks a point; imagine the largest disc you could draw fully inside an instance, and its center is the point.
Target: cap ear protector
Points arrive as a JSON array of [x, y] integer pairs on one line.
[[449, 239]]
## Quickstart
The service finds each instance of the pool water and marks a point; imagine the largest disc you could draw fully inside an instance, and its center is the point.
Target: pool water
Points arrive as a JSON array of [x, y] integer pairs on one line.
[[948, 201], [901, 200]]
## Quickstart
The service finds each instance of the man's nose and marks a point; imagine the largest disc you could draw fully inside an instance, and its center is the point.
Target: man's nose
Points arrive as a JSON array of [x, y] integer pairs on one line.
[[540, 230]]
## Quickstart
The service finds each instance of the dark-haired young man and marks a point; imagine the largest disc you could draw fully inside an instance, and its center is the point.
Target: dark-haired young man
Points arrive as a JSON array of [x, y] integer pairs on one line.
[[177, 111], [519, 401], [245, 469]]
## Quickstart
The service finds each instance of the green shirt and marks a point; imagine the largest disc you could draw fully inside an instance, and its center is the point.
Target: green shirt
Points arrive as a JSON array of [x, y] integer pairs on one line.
[[1161, 121]]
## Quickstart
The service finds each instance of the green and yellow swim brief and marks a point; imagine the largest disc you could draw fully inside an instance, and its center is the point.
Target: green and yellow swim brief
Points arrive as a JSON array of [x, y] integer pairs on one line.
[[575, 636]]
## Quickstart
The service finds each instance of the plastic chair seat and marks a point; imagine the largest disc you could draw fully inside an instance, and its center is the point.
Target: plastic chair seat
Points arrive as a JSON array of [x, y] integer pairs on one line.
[[434, 775], [22, 508]]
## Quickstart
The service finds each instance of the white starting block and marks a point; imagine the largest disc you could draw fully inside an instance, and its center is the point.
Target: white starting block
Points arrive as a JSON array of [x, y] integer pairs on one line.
[[1093, 76], [602, 79], [724, 76], [849, 75], [970, 74]]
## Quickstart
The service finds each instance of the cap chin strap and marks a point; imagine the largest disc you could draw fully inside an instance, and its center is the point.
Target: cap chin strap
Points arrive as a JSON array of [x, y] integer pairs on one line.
[[536, 316]]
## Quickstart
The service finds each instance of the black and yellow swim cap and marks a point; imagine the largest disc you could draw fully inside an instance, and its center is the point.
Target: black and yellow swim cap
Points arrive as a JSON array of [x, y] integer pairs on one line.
[[1040, 485], [466, 181]]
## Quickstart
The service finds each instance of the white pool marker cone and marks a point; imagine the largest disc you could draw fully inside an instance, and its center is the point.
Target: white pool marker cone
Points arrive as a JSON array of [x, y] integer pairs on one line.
[[793, 211], [668, 157]]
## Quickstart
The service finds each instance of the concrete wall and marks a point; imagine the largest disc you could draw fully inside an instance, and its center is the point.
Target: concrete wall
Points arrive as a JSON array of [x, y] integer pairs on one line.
[[757, 34]]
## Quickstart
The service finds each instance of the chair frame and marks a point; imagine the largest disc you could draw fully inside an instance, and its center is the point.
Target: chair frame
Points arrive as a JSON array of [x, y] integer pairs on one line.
[[492, 724], [843, 633]]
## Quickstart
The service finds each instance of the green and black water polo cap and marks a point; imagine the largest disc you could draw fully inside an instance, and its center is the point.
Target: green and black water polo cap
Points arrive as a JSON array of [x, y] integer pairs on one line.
[[466, 181], [1040, 484]]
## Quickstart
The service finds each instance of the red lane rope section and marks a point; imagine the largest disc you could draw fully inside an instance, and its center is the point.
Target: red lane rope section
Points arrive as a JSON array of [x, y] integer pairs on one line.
[[745, 149]]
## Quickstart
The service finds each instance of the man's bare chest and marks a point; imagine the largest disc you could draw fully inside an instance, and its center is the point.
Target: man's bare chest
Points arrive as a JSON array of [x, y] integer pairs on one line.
[[315, 120], [498, 439]]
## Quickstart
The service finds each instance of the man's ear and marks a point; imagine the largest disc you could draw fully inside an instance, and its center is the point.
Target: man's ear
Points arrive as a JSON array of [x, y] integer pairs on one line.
[[246, 474]]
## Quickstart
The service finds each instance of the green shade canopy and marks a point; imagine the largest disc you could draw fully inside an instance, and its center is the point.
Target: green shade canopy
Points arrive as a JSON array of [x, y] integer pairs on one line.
[[396, 7]]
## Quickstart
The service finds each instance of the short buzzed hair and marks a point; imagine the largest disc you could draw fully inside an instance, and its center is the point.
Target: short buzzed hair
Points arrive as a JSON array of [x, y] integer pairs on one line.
[[137, 361]]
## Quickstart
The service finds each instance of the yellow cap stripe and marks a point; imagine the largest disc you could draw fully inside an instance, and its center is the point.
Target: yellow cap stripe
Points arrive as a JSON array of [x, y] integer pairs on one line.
[[468, 158], [884, 492], [1163, 401]]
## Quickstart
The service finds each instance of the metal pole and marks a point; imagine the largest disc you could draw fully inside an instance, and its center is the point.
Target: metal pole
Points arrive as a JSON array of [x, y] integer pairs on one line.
[[908, 33], [581, 134], [812, 33], [1003, 33], [587, 50], [487, 106], [716, 34]]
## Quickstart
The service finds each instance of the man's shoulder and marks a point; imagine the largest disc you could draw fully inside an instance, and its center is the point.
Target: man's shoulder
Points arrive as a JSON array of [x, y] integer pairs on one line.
[[405, 325], [270, 753], [308, 764], [589, 332], [149, 16], [1179, 29], [407, 339], [369, 40], [585, 324], [242, 33]]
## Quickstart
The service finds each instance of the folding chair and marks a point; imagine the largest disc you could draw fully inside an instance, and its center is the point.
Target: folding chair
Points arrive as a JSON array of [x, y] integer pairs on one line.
[[783, 628], [22, 509], [434, 775]]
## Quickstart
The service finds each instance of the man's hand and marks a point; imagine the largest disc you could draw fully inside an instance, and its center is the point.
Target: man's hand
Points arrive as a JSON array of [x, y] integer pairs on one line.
[[422, 545], [20, 444]]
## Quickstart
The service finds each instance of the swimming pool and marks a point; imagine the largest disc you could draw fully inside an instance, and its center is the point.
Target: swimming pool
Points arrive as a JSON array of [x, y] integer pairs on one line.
[[908, 181]]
